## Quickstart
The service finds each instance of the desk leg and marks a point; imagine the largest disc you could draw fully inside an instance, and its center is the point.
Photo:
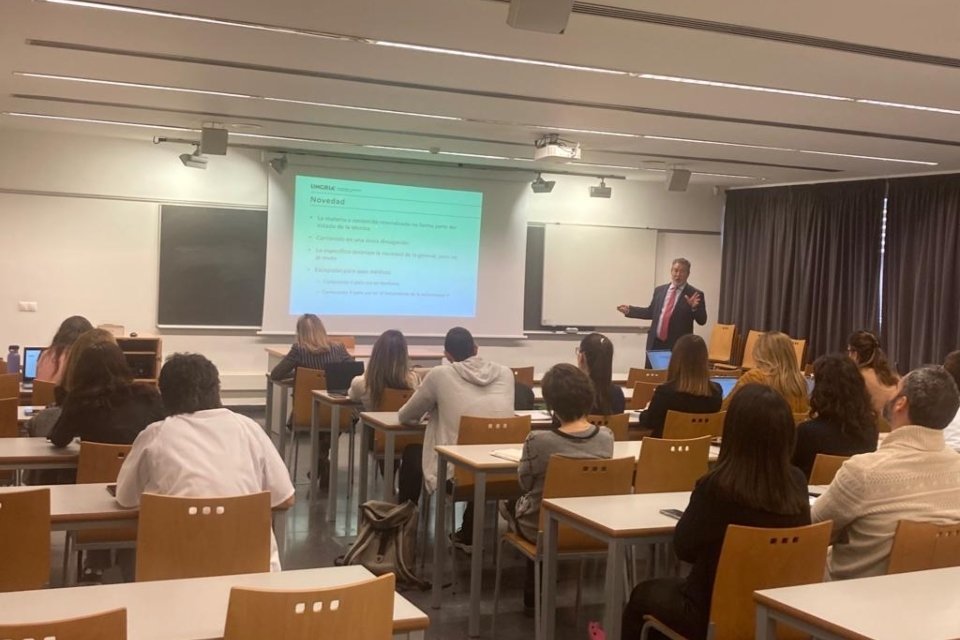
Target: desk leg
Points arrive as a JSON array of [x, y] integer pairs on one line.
[[476, 558], [268, 418], [282, 445], [389, 450], [314, 442], [549, 580], [334, 462], [766, 625], [613, 588], [366, 434], [439, 539]]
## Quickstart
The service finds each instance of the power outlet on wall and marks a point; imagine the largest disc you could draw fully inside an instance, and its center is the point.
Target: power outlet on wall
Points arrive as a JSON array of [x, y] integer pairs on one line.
[[27, 306]]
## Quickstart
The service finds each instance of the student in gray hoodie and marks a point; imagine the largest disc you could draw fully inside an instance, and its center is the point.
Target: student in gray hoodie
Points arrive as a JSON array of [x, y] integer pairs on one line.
[[468, 386]]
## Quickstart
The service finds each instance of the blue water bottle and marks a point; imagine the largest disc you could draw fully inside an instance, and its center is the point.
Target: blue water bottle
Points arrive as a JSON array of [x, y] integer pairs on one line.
[[13, 359]]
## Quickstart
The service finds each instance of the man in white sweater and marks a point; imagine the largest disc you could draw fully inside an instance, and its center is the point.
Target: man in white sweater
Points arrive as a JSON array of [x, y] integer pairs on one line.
[[912, 476], [468, 386]]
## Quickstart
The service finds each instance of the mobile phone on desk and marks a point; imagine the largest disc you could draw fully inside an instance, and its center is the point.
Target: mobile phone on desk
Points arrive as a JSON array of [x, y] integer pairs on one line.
[[676, 514], [112, 490]]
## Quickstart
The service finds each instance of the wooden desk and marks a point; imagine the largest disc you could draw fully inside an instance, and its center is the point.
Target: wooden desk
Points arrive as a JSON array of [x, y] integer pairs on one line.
[[83, 506], [388, 423], [286, 389], [619, 522], [336, 403], [25, 412], [538, 394], [187, 609], [921, 604], [36, 453]]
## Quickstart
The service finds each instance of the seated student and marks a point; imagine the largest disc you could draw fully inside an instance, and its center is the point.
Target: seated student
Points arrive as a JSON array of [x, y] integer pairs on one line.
[[844, 422], [469, 386], [688, 387], [864, 349], [105, 404], [313, 350], [53, 360], [912, 476], [777, 368], [202, 449], [753, 484], [595, 358], [952, 433], [388, 368]]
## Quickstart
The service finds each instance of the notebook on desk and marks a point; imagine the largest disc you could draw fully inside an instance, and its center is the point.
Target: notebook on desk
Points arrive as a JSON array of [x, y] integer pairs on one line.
[[513, 454], [340, 374]]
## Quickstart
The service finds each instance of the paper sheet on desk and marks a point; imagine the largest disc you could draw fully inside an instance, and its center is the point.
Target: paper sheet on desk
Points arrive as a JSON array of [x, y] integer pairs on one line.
[[535, 414], [513, 454]]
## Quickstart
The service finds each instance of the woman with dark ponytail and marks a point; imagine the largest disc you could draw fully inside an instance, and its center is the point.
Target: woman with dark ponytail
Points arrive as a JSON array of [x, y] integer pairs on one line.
[[595, 358], [864, 348]]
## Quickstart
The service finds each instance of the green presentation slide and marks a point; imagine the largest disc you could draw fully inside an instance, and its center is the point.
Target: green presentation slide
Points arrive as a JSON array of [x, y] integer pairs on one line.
[[365, 248]]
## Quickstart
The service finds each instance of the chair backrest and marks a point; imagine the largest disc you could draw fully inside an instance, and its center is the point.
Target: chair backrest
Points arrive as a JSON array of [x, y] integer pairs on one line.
[[642, 395], [671, 465], [686, 426], [800, 348], [393, 399], [523, 375], [477, 430], [918, 546], [305, 381], [657, 376], [754, 559], [748, 361], [196, 537], [360, 611], [24, 540], [882, 425], [43, 393], [9, 385], [349, 342], [9, 428], [722, 339], [580, 477], [618, 423], [109, 625], [825, 467], [99, 462]]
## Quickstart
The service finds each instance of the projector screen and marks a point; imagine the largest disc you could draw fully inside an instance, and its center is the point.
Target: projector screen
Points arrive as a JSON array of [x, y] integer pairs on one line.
[[365, 248], [374, 246]]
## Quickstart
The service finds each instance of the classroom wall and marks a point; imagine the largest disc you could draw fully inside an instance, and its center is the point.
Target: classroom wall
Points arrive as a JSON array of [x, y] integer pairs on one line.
[[80, 227]]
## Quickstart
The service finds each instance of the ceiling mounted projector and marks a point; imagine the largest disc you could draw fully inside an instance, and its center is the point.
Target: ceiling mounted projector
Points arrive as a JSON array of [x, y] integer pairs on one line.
[[542, 186], [546, 16], [551, 147], [603, 191], [194, 160]]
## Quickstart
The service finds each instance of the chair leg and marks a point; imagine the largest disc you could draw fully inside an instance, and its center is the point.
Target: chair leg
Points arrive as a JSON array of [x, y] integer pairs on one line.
[[537, 604], [496, 590], [424, 518], [66, 558], [296, 457], [580, 578], [351, 432]]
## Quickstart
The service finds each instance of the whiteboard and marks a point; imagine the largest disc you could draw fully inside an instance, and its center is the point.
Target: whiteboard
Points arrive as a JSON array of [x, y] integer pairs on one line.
[[589, 270]]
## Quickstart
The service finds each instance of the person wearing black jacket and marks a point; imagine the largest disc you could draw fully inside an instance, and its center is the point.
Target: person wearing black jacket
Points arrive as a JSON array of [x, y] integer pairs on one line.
[[753, 484]]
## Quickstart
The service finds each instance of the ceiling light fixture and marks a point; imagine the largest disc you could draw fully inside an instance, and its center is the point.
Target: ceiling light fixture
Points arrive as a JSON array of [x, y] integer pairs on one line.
[[539, 185], [603, 191], [602, 166], [915, 107], [590, 131], [194, 160], [118, 123], [741, 87]]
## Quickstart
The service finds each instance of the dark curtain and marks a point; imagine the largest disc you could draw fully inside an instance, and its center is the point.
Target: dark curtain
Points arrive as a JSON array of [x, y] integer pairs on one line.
[[921, 304], [804, 260]]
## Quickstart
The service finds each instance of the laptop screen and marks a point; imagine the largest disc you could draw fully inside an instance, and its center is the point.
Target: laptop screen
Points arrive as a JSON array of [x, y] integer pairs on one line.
[[659, 359], [726, 384], [340, 374], [30, 357]]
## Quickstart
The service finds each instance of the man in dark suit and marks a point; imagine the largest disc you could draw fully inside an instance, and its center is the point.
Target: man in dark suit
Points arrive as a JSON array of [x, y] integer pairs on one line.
[[673, 309]]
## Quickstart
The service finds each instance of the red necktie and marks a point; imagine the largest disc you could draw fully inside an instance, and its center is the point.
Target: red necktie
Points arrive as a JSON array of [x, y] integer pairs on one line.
[[667, 312]]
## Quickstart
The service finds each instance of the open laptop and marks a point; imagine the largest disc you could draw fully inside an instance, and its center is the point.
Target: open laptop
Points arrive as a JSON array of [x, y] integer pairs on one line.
[[31, 355], [340, 374], [726, 384], [659, 359]]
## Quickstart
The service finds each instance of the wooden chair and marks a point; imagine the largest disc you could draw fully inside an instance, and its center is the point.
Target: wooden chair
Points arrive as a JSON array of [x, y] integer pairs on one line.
[[671, 465], [642, 395], [882, 425], [800, 348], [523, 375], [348, 342], [360, 611], [753, 559], [722, 339], [475, 430], [109, 625], [567, 478], [687, 426], [24, 540], [392, 400], [43, 393], [618, 423], [9, 427], [825, 467], [197, 537], [305, 382], [919, 546], [98, 462], [748, 361], [10, 385], [656, 376]]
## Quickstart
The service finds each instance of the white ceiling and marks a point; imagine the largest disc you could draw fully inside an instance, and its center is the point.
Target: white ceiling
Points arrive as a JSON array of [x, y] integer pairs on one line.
[[857, 49]]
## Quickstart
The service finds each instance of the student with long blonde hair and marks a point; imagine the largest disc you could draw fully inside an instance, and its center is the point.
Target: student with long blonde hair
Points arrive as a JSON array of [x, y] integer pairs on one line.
[[313, 349], [388, 368], [777, 367]]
